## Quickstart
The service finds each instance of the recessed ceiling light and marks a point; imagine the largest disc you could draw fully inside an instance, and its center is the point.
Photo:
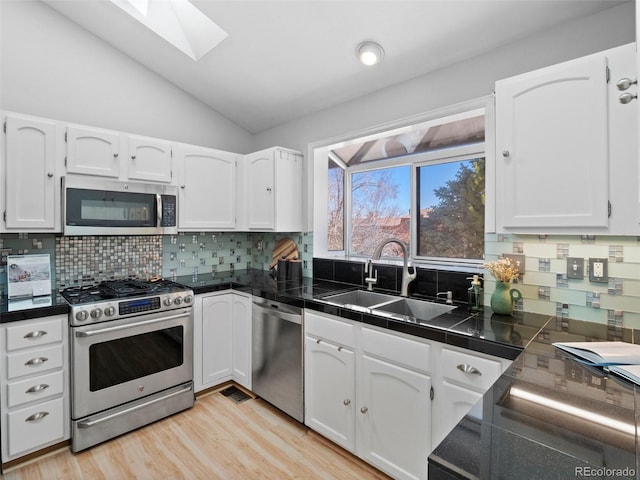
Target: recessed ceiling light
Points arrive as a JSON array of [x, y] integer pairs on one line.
[[369, 53]]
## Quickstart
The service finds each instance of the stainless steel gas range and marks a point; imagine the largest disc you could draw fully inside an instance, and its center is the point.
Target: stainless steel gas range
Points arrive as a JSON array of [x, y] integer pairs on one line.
[[131, 356]]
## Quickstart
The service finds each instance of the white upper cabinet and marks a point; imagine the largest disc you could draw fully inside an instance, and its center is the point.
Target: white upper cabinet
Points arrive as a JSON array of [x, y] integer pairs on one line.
[[105, 153], [207, 193], [562, 142], [273, 190], [149, 159], [33, 155], [91, 151]]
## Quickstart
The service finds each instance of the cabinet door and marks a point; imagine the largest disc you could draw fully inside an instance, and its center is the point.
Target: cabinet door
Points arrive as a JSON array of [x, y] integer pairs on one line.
[[93, 152], [452, 403], [394, 418], [259, 190], [31, 181], [207, 191], [552, 146], [216, 339], [149, 159], [241, 333], [329, 379]]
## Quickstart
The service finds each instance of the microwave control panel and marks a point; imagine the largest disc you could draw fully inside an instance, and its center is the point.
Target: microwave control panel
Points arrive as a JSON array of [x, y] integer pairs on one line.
[[168, 211]]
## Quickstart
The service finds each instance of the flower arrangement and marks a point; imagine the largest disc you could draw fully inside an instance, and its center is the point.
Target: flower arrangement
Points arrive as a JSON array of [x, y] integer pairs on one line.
[[503, 270]]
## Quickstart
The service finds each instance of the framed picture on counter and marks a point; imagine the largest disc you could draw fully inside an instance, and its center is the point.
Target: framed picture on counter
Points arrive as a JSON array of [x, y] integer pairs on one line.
[[28, 275]]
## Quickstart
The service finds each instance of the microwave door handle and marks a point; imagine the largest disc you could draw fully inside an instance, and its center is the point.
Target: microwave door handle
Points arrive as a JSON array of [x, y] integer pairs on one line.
[[159, 211]]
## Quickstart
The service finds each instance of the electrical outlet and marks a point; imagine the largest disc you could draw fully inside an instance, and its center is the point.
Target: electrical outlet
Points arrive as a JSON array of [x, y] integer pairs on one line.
[[575, 267], [598, 270]]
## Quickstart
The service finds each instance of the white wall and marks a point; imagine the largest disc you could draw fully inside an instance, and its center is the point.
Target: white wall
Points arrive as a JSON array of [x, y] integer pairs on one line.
[[50, 67], [460, 82]]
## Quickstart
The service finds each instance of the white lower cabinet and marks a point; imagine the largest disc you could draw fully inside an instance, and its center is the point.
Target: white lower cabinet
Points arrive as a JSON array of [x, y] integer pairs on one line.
[[34, 385], [463, 378], [368, 390], [222, 339], [330, 391]]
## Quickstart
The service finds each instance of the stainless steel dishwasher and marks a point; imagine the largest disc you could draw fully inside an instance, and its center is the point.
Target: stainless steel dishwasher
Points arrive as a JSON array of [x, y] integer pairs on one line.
[[277, 355]]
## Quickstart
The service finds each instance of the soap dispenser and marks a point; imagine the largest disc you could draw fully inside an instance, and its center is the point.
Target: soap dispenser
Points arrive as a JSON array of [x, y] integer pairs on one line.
[[476, 294]]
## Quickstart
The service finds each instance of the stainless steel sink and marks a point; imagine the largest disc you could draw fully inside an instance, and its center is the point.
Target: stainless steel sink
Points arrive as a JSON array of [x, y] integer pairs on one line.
[[419, 309], [389, 305], [360, 298]]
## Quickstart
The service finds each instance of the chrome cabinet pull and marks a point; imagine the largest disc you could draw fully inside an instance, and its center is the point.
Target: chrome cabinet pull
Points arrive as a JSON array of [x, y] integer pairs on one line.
[[268, 189], [466, 368], [346, 402], [36, 416], [133, 157], [37, 388], [36, 361], [50, 175], [115, 155], [35, 334], [505, 153], [364, 410], [625, 83], [318, 341], [627, 97], [339, 349]]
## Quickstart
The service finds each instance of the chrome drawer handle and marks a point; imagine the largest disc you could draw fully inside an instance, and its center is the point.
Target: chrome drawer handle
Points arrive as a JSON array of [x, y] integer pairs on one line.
[[466, 368], [37, 388], [36, 361], [35, 334], [36, 416]]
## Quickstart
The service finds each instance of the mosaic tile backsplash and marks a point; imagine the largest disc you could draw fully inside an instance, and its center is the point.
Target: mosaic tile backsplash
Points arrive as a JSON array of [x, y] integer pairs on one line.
[[90, 259], [203, 253], [546, 289]]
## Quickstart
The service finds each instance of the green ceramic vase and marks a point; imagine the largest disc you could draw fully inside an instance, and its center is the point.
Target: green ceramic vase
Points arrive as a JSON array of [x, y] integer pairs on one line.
[[503, 298]]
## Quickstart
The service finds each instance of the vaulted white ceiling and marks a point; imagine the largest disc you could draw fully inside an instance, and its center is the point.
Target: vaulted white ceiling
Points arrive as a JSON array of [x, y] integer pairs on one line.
[[286, 59]]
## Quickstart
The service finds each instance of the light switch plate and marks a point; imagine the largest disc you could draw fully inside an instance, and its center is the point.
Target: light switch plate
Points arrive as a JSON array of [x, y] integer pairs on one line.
[[575, 267], [598, 270]]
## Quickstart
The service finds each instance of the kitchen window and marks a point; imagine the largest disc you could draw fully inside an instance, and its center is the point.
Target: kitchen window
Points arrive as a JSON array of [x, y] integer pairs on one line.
[[423, 184]]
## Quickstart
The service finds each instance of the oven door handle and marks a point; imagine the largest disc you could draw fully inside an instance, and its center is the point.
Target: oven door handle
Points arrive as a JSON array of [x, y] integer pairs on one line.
[[91, 333], [91, 423]]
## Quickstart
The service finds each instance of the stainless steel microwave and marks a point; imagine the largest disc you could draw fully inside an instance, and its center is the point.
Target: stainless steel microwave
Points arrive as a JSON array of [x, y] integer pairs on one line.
[[93, 206]]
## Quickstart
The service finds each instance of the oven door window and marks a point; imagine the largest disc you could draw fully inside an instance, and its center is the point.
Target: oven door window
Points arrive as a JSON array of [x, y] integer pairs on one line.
[[128, 358], [95, 208]]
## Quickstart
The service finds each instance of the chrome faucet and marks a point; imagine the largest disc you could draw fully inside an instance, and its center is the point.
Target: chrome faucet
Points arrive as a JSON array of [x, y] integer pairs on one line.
[[407, 277], [372, 277]]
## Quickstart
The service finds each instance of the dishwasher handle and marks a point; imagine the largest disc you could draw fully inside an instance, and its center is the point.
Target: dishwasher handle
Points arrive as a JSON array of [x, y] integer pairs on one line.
[[280, 310]]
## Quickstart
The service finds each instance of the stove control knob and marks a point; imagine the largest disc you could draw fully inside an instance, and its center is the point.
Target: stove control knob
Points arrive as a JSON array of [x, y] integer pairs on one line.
[[109, 311], [96, 313], [178, 300], [168, 301], [82, 315], [188, 299]]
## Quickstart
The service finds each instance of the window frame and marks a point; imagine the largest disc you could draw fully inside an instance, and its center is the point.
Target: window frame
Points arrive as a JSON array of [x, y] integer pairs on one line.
[[449, 155], [317, 180]]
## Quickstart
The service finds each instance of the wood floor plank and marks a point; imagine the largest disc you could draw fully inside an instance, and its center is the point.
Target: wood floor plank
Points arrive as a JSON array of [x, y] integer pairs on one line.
[[216, 439]]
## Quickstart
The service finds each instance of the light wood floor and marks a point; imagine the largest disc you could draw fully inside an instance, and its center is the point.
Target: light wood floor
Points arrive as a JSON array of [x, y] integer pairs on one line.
[[216, 439]]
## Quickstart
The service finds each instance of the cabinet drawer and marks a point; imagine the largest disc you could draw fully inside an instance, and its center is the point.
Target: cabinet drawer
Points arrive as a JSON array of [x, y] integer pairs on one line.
[[36, 426], [470, 370], [332, 329], [37, 388], [34, 361], [397, 349], [34, 334]]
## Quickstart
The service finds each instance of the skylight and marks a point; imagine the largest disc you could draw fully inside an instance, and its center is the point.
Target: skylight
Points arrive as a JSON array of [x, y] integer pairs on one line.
[[178, 22]]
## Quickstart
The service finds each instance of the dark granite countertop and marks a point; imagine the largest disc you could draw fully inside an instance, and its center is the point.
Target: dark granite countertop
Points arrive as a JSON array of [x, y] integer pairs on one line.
[[38, 307], [549, 417], [500, 336]]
